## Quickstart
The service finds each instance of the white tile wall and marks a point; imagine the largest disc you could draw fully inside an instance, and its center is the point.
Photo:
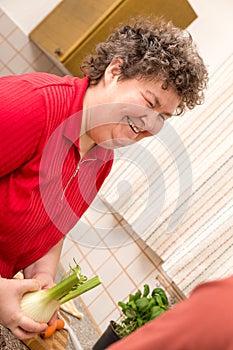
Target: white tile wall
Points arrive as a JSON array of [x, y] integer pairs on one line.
[[18, 54], [140, 268], [121, 287], [127, 254], [116, 270], [101, 307], [98, 257]]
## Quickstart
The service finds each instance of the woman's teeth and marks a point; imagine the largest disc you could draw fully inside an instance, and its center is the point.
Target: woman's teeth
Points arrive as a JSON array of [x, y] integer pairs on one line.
[[133, 127]]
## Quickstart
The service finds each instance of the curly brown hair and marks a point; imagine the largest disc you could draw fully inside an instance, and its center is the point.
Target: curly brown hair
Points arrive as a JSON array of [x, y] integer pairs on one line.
[[153, 49]]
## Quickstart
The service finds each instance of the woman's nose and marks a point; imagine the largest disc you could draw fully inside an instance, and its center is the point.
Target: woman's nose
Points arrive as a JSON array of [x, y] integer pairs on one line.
[[153, 122]]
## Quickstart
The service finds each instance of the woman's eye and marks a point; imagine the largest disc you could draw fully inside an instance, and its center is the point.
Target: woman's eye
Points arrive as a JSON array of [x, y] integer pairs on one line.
[[161, 117], [150, 104]]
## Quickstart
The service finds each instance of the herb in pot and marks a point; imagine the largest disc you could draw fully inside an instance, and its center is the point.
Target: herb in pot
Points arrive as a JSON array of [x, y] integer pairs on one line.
[[140, 309]]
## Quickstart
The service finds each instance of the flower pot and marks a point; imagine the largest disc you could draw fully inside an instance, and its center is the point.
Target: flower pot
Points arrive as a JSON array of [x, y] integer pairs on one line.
[[107, 338]]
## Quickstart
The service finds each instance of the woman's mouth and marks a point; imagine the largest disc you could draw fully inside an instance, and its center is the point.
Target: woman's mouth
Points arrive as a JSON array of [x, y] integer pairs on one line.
[[135, 129]]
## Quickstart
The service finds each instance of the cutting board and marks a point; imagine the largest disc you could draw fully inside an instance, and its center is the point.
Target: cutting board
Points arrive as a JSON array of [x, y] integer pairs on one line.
[[58, 341]]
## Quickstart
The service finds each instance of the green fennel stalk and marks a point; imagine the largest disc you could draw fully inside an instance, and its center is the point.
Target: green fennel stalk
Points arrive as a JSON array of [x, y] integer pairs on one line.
[[40, 305]]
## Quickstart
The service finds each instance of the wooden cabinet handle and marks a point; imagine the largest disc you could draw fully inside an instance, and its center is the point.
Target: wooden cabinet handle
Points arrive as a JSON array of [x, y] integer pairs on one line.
[[58, 51]]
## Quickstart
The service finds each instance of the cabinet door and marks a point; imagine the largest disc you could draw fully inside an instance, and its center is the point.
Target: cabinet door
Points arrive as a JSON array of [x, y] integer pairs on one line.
[[179, 11], [73, 29], [66, 25]]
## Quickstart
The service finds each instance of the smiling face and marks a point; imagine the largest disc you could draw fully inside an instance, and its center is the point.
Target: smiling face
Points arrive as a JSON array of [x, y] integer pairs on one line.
[[121, 112]]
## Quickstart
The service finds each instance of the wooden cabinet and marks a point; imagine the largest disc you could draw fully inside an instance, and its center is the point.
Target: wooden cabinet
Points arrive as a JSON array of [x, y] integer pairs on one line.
[[74, 27]]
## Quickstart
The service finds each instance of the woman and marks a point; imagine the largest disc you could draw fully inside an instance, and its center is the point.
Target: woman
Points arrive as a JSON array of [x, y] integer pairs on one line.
[[58, 136]]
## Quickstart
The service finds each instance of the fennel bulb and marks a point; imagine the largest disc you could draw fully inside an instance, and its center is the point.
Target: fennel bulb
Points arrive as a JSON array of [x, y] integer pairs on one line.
[[40, 305]]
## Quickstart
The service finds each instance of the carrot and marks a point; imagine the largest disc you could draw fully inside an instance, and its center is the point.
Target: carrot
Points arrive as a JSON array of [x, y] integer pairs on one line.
[[60, 324], [57, 325], [49, 331]]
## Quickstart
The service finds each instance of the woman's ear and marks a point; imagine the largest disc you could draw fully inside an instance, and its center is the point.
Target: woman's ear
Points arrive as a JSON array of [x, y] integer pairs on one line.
[[113, 70]]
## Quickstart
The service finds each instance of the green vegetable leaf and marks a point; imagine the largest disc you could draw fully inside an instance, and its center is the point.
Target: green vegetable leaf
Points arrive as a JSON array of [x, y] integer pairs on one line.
[[155, 312], [146, 290], [140, 322], [152, 302], [122, 305], [142, 304], [138, 295], [160, 291], [141, 308], [132, 304], [158, 300], [131, 297], [130, 313]]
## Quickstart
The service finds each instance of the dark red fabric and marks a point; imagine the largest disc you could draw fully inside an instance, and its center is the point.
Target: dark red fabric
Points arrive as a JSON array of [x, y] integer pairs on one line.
[[39, 151], [204, 321]]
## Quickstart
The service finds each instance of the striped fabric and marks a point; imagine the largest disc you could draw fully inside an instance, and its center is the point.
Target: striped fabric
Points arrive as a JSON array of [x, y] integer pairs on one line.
[[191, 160]]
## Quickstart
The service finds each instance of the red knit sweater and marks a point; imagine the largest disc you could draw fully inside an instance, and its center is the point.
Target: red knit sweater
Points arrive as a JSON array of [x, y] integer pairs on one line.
[[41, 199]]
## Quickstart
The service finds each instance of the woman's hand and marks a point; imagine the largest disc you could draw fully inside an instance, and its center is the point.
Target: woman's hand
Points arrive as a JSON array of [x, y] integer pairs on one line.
[[44, 270], [11, 316], [46, 281]]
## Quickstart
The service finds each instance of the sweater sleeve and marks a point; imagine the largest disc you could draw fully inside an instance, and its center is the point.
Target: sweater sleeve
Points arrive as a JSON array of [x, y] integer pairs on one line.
[[22, 112], [204, 321]]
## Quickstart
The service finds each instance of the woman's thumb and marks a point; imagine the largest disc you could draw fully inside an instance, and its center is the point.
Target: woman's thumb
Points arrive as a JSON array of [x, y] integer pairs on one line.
[[28, 285]]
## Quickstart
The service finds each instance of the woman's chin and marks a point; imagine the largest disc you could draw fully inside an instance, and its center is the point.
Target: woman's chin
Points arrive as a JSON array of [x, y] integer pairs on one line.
[[116, 143]]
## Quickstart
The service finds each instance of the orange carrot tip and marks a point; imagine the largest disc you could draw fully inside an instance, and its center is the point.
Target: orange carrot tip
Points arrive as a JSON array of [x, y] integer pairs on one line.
[[49, 331], [60, 324]]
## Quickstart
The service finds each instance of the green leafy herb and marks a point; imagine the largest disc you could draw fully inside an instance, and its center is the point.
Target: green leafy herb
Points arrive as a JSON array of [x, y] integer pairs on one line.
[[140, 308]]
